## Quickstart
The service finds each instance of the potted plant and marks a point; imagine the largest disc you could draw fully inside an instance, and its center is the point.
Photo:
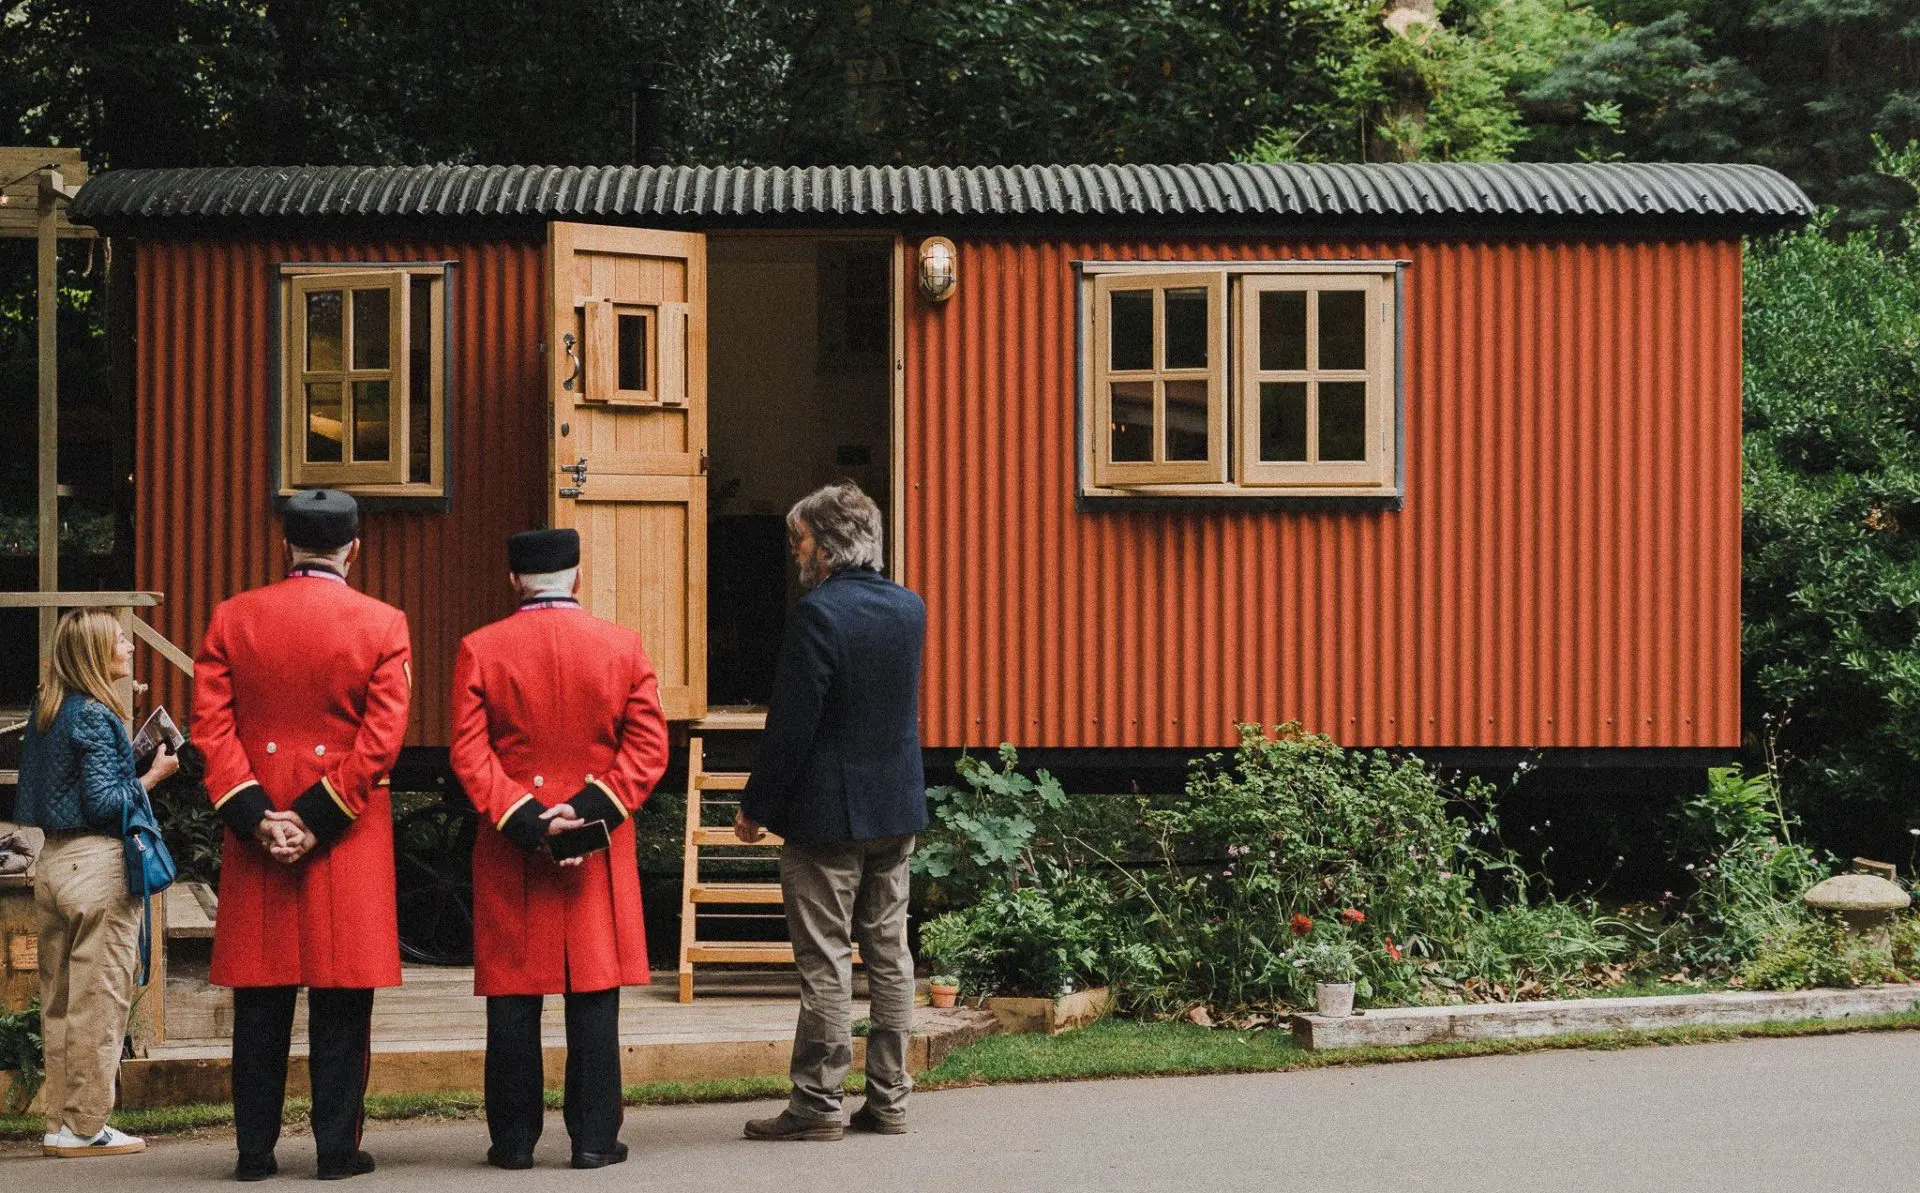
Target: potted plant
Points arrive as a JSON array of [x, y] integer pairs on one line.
[[1328, 957], [943, 990]]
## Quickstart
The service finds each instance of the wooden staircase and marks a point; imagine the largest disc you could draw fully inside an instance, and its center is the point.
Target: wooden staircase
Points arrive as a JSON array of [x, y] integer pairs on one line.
[[719, 791]]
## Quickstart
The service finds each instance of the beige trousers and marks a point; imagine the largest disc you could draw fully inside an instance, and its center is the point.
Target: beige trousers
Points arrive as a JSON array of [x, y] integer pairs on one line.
[[837, 894], [88, 936]]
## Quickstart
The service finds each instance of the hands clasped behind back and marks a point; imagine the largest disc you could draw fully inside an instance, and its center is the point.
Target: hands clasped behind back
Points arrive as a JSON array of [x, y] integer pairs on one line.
[[286, 836], [561, 818]]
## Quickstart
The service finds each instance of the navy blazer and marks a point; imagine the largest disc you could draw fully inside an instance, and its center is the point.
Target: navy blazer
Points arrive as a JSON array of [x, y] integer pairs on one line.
[[840, 757]]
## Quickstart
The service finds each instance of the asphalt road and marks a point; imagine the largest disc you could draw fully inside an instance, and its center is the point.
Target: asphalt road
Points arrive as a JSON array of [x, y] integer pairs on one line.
[[1809, 1115]]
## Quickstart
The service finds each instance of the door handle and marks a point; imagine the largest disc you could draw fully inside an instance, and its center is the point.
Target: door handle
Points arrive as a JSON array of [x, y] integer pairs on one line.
[[567, 342]]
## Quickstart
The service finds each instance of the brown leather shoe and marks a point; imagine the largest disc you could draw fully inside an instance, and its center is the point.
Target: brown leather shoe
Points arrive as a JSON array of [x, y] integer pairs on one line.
[[788, 1125], [867, 1119]]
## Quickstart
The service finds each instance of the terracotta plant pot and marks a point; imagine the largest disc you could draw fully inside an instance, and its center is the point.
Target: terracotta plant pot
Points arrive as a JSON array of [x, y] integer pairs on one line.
[[1333, 999], [943, 996]]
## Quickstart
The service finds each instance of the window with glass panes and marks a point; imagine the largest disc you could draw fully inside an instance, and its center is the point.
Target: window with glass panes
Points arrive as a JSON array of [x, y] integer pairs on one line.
[[1159, 379], [362, 403], [1241, 379]]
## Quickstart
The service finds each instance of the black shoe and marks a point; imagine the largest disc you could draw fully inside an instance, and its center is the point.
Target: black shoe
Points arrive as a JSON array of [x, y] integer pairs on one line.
[[867, 1119], [788, 1125], [511, 1158], [255, 1168], [601, 1159], [357, 1164]]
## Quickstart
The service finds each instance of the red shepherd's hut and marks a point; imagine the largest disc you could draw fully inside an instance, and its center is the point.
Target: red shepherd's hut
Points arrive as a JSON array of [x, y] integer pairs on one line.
[[1434, 456]]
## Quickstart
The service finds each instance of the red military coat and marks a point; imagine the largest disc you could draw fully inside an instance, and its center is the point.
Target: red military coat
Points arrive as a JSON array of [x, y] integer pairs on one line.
[[300, 698], [549, 703]]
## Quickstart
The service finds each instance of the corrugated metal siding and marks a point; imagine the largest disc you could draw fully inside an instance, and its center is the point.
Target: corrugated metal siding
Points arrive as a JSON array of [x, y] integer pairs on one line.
[[204, 524], [1565, 571], [1604, 190]]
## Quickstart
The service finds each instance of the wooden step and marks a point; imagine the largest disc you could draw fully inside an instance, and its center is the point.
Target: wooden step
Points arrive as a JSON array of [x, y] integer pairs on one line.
[[735, 892], [746, 952], [730, 718], [706, 837], [721, 781]]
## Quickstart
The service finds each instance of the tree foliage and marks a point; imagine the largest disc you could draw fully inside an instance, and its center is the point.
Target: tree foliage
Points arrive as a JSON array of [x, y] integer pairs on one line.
[[1832, 525]]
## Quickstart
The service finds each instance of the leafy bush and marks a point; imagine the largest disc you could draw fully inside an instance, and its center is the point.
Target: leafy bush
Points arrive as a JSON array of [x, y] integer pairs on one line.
[[1831, 526], [1749, 872], [1304, 828], [983, 831], [1020, 942], [23, 1051], [1817, 951], [1543, 948]]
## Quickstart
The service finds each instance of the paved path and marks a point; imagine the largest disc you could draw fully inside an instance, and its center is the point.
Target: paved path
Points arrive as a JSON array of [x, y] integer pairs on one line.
[[1806, 1115]]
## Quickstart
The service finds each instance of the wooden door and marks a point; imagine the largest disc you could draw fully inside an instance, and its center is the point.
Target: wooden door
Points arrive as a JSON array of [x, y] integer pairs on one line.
[[627, 352]]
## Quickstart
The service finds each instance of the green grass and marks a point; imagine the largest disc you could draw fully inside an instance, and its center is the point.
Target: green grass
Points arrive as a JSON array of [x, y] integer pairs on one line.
[[1120, 1048], [1112, 1048]]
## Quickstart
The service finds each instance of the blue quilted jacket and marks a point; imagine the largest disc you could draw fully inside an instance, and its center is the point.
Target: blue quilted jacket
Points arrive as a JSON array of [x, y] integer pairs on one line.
[[79, 773]]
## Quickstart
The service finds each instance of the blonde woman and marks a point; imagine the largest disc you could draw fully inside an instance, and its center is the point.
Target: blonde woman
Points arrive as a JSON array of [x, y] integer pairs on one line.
[[76, 780]]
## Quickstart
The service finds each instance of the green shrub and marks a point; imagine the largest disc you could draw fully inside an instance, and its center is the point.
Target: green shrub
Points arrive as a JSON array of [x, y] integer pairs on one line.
[[1749, 874], [1020, 942], [1817, 951], [1831, 526], [983, 831], [23, 1052], [1548, 948]]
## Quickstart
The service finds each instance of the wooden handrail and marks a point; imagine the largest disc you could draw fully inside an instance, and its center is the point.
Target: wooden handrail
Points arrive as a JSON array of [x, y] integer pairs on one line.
[[128, 601], [158, 641], [79, 600]]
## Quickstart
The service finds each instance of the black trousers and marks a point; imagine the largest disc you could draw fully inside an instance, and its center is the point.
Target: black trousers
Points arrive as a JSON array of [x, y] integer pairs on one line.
[[339, 1027], [515, 1106]]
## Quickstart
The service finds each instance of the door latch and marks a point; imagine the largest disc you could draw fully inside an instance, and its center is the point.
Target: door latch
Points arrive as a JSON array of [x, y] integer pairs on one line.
[[579, 474]]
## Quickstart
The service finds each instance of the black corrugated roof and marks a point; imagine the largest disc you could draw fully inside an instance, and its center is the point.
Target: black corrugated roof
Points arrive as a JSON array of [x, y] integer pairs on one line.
[[1743, 193]]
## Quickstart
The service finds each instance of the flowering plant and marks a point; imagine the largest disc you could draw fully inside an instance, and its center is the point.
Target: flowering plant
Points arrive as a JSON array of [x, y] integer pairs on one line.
[[1327, 951]]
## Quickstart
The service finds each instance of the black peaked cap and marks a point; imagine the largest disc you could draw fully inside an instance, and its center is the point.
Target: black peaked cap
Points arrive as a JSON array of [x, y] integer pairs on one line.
[[321, 519], [532, 552]]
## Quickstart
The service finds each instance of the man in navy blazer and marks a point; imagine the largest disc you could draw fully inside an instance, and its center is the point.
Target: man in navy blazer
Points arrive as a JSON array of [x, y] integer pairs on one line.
[[839, 777]]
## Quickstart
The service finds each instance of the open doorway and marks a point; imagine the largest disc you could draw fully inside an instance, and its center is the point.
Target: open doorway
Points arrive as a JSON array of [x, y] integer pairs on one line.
[[799, 392]]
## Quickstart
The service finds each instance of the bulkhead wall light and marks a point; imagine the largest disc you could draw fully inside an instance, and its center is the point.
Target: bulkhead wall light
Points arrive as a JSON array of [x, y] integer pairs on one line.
[[938, 269]]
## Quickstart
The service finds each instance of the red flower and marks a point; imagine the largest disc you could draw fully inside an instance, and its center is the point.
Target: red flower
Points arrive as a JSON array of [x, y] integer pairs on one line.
[[1351, 917], [1300, 925], [1393, 950]]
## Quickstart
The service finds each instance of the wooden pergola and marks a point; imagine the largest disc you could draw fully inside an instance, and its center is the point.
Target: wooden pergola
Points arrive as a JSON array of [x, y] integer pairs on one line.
[[36, 184]]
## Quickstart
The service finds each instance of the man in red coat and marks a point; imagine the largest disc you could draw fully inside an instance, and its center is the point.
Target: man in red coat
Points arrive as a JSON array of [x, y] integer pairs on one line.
[[300, 706], [557, 730]]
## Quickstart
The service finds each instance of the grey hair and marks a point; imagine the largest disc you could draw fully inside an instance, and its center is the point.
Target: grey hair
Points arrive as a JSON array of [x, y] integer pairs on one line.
[[533, 584], [846, 527], [337, 557]]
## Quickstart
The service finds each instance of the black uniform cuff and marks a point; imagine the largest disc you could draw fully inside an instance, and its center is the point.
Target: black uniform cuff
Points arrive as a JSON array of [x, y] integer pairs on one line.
[[244, 810], [592, 803], [523, 825], [322, 816]]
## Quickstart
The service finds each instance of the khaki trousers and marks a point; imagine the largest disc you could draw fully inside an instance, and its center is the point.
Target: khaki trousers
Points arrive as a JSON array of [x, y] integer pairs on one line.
[[88, 929], [837, 893]]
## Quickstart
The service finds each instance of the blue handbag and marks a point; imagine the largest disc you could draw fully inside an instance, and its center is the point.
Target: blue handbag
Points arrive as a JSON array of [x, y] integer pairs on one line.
[[150, 868]]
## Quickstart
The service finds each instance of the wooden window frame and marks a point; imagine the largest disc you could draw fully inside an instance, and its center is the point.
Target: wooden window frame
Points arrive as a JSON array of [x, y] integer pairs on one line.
[[378, 479], [1377, 470], [1245, 476], [1111, 473]]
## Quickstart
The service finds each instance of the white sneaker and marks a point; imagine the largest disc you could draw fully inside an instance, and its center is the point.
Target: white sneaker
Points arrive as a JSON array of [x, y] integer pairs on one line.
[[108, 1142], [48, 1140]]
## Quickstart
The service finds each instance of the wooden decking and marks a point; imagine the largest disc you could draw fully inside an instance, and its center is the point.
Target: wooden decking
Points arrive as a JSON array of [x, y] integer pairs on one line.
[[430, 1036]]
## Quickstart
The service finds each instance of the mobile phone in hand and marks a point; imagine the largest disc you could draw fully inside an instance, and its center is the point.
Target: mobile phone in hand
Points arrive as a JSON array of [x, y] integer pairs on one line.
[[590, 837]]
